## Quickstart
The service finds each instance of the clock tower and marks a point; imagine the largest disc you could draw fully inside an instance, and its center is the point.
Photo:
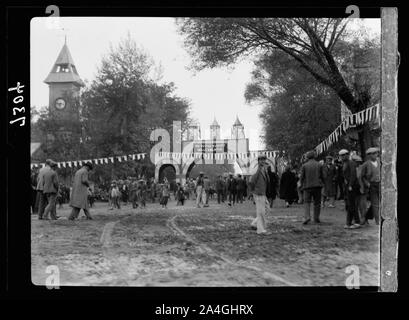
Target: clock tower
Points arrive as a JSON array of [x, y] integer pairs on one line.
[[64, 85]]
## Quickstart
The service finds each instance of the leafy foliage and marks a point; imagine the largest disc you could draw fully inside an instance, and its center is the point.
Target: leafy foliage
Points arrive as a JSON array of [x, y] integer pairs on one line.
[[319, 46]]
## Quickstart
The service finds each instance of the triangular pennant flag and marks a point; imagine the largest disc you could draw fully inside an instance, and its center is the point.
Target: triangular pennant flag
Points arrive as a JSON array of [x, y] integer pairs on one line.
[[119, 159]]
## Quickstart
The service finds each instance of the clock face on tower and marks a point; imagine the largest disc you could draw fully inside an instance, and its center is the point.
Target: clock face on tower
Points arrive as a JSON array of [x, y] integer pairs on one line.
[[59, 104]]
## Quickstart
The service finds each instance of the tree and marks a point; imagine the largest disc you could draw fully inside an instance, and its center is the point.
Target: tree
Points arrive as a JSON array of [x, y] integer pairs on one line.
[[298, 112], [312, 43], [122, 106]]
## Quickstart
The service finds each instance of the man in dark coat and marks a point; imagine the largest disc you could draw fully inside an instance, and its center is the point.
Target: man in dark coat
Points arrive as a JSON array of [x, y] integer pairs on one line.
[[352, 190], [288, 186], [220, 189], [340, 194], [371, 178], [330, 175], [272, 186], [240, 188], [231, 189], [311, 183], [79, 196], [34, 207], [50, 189]]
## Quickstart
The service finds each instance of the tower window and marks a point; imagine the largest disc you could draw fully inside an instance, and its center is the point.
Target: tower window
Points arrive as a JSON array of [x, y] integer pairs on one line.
[[63, 68]]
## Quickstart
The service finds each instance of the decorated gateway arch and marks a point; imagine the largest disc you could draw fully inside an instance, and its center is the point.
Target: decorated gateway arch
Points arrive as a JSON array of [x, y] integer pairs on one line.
[[232, 152]]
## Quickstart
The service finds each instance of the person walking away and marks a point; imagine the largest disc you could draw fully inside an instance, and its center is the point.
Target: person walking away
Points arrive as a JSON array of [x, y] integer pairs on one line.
[[78, 199], [288, 186], [165, 194], [50, 189], [116, 196], [371, 177], [200, 194], [258, 184], [219, 189], [361, 199], [272, 186], [330, 175], [231, 189], [351, 190], [312, 183], [241, 188], [42, 199], [180, 195]]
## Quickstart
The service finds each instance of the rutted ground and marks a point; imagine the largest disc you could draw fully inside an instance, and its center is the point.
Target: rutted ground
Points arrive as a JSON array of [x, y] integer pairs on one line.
[[185, 246]]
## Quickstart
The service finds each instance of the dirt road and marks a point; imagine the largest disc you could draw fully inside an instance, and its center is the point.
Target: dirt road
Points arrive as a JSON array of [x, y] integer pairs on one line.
[[186, 246]]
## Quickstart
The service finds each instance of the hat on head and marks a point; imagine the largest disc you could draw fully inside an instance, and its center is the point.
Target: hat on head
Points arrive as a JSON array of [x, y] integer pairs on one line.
[[329, 157], [48, 161], [355, 157], [343, 152], [89, 165], [201, 172], [311, 154], [372, 150], [53, 164]]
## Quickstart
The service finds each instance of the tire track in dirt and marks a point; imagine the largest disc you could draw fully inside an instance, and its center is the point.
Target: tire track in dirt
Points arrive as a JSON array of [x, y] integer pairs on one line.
[[109, 254], [267, 275]]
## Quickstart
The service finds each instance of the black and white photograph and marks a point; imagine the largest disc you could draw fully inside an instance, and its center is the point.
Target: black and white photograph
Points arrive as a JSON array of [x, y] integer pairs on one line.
[[209, 151]]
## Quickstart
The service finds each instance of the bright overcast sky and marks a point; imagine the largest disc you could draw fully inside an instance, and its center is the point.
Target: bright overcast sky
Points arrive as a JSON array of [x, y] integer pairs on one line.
[[213, 93]]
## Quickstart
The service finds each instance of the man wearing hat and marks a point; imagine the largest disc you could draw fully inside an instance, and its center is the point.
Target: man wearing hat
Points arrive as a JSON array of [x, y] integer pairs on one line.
[[361, 199], [50, 189], [41, 197], [231, 189], [200, 194], [371, 178], [329, 173], [79, 196], [258, 186], [351, 190], [219, 189], [312, 182]]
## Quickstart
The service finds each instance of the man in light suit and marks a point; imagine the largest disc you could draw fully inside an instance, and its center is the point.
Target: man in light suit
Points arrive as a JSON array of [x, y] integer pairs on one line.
[[258, 185], [41, 197], [50, 189]]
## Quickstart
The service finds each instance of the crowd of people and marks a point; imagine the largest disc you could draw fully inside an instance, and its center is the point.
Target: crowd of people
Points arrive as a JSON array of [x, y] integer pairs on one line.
[[345, 177], [354, 180]]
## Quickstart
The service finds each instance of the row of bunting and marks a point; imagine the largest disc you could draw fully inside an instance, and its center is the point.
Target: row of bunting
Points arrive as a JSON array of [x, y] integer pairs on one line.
[[80, 163], [351, 121], [217, 156], [174, 155]]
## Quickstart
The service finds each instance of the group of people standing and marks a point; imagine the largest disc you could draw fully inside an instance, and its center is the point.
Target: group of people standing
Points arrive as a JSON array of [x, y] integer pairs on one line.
[[319, 182]]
